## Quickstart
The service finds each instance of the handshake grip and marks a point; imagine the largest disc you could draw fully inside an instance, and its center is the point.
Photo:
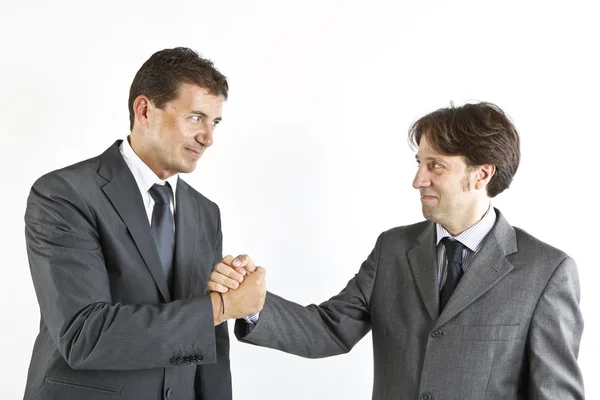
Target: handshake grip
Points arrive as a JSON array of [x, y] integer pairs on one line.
[[237, 300]]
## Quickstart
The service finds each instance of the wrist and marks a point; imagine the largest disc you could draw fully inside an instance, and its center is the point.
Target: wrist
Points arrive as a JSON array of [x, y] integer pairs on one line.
[[217, 305]]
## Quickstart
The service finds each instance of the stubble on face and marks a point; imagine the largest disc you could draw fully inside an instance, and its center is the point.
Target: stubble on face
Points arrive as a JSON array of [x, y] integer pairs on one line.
[[443, 210]]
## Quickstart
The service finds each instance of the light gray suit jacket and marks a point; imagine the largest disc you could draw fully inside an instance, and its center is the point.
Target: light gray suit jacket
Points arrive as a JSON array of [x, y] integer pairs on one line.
[[511, 329], [110, 329]]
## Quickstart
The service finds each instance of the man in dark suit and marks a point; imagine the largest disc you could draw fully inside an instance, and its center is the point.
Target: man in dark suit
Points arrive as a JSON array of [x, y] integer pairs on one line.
[[462, 306], [120, 250]]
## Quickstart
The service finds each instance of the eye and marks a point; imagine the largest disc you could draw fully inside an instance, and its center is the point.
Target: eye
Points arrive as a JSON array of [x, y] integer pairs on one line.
[[196, 118], [436, 165], [215, 123]]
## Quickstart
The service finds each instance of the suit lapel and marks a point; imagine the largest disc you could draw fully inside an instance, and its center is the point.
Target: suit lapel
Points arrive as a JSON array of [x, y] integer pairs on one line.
[[186, 237], [423, 263], [488, 266], [125, 196]]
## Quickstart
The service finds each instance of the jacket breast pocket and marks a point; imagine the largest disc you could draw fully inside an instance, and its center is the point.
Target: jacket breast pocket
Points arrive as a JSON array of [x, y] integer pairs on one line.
[[490, 332]]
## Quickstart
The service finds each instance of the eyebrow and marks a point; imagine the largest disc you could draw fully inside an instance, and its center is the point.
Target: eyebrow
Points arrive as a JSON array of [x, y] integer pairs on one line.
[[203, 114], [436, 159]]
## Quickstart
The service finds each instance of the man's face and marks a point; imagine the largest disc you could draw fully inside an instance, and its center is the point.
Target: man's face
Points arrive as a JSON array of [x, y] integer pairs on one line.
[[447, 187], [178, 134]]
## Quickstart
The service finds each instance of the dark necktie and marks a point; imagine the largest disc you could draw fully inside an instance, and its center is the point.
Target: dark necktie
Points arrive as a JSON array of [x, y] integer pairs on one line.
[[454, 271], [162, 227]]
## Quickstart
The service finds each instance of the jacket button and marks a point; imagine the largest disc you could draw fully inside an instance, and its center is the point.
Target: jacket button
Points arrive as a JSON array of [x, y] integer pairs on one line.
[[169, 392], [180, 360], [426, 396], [436, 334], [186, 359], [174, 360]]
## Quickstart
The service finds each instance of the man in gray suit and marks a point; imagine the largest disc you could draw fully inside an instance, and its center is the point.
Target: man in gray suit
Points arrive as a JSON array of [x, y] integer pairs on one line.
[[462, 306], [120, 250]]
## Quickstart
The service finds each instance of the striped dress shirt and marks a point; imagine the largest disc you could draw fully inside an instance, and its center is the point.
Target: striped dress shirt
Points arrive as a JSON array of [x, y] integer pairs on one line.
[[472, 238]]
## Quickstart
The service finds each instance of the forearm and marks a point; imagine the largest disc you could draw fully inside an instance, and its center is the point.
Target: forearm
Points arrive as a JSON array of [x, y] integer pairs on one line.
[[311, 332], [127, 336]]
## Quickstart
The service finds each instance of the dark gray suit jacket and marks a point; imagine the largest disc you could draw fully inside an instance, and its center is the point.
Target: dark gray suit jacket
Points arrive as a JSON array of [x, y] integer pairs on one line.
[[511, 329], [109, 327]]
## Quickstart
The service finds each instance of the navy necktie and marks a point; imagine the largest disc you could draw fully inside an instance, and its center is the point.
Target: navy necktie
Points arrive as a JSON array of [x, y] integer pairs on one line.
[[163, 228], [454, 271]]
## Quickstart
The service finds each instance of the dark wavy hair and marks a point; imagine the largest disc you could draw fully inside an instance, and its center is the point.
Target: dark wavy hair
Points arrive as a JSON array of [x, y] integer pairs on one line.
[[161, 75], [480, 132]]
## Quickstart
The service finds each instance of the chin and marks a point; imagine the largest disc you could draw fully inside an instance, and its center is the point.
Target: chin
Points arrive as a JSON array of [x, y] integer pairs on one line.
[[430, 214], [186, 168]]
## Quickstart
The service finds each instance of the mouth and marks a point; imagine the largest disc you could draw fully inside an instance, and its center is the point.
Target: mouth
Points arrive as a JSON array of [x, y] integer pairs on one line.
[[195, 152], [425, 197]]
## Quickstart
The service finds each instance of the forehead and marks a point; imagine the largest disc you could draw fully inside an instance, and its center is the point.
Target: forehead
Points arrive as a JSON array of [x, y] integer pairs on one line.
[[196, 97], [426, 152]]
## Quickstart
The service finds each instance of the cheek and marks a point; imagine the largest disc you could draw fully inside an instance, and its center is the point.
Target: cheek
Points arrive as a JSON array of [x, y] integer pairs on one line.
[[172, 135], [181, 131]]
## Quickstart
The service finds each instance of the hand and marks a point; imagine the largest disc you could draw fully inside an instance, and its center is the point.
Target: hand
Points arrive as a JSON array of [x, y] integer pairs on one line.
[[229, 273], [248, 299]]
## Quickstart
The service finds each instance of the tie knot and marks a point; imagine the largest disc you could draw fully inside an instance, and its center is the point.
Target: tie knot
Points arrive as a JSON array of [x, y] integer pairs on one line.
[[454, 250], [161, 193]]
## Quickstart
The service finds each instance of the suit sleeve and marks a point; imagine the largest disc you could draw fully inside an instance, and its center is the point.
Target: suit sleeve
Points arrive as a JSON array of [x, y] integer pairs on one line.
[[216, 377], [554, 338], [72, 286], [316, 331]]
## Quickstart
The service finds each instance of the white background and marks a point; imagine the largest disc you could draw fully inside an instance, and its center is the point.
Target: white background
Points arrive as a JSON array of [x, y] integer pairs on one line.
[[311, 162]]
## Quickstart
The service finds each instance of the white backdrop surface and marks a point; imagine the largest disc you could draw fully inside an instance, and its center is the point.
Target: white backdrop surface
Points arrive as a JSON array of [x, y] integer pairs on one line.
[[311, 161]]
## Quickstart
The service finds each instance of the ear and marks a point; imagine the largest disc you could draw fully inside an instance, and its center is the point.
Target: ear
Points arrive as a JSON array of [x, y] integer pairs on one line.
[[142, 107], [484, 174]]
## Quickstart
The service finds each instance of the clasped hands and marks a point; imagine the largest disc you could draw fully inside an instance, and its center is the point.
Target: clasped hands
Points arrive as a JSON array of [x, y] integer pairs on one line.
[[242, 287]]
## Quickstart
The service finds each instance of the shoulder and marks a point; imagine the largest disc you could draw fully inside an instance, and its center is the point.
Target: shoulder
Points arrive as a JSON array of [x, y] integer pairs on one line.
[[532, 248], [407, 235], [73, 178]]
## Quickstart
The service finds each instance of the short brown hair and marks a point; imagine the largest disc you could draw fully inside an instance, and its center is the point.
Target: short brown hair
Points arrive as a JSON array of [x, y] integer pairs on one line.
[[161, 75], [480, 132]]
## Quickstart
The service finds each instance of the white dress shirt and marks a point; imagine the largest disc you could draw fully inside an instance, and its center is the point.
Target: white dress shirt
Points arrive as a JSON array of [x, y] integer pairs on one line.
[[145, 178]]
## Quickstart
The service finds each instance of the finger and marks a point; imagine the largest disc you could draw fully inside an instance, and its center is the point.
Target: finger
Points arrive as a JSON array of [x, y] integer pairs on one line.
[[260, 272], [244, 261], [216, 287], [229, 272], [219, 278], [227, 260]]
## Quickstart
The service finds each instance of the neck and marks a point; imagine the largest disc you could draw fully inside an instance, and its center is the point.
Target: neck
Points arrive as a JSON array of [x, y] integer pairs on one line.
[[144, 153], [458, 226]]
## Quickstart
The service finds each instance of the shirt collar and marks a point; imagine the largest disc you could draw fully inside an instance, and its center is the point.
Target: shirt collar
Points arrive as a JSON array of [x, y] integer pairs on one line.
[[144, 176], [473, 237]]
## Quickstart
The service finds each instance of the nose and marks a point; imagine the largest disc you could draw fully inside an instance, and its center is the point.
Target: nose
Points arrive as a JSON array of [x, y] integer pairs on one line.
[[205, 134], [421, 179]]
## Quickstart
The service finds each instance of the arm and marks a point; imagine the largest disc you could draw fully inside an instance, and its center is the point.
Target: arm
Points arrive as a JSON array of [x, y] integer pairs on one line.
[[315, 331], [72, 285], [554, 338]]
